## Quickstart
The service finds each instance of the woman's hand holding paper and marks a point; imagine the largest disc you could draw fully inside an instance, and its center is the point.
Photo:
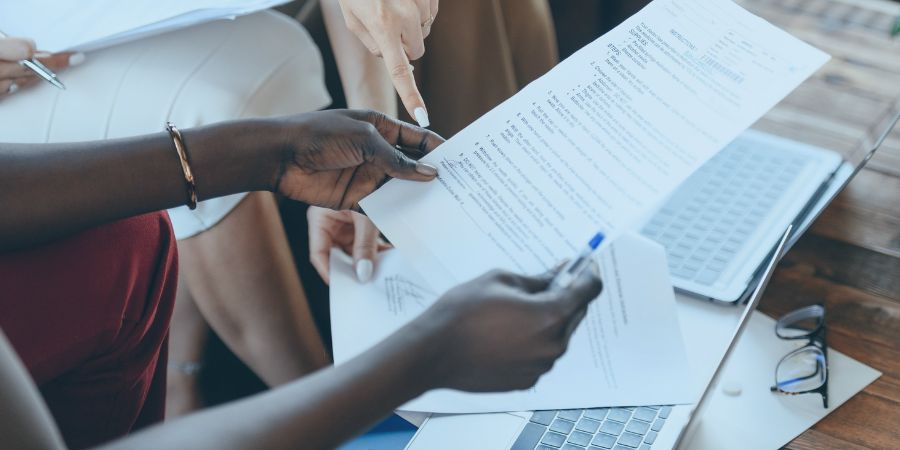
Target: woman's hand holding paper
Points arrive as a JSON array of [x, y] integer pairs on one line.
[[335, 158]]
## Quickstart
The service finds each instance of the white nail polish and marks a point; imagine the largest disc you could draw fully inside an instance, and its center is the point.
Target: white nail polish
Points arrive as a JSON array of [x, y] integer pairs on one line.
[[421, 117], [76, 59], [42, 55], [364, 270]]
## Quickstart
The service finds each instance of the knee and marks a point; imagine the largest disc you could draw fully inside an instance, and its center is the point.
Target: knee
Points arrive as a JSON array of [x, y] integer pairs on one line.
[[266, 65]]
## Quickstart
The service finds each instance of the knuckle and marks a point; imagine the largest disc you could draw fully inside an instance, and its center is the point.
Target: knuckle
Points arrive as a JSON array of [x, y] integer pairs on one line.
[[495, 274], [506, 277], [368, 115], [400, 70], [400, 161], [22, 50], [384, 16], [368, 129]]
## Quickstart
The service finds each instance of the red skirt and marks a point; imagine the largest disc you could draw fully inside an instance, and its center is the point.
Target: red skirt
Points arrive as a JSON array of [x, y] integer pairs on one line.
[[89, 316]]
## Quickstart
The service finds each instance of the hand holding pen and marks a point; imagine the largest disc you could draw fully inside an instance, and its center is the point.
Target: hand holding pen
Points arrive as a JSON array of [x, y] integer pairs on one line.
[[572, 270], [21, 65]]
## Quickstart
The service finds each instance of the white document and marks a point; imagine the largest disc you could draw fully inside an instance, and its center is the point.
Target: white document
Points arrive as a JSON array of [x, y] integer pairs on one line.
[[84, 25], [740, 419], [756, 418], [627, 351], [594, 144]]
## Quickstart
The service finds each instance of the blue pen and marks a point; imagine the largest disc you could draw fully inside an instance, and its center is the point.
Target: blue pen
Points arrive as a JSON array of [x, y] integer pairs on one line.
[[573, 268]]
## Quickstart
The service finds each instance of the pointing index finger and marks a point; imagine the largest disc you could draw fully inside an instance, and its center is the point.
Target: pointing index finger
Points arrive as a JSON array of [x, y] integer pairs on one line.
[[402, 77], [406, 135]]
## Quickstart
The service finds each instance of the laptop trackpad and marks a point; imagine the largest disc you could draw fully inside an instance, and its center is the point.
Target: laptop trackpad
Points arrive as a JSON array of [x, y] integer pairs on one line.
[[483, 431]]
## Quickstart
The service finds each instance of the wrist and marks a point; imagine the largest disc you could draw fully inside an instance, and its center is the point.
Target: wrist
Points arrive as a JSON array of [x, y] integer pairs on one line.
[[233, 157], [430, 336]]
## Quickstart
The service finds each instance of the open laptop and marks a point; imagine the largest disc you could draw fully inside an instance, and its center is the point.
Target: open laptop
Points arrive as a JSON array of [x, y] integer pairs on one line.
[[721, 223], [642, 428]]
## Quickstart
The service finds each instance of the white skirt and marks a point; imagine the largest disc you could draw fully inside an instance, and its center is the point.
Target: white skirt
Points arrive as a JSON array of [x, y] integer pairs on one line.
[[264, 64]]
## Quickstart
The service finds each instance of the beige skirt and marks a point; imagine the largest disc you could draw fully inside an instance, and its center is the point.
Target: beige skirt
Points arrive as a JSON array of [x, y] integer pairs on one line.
[[260, 65]]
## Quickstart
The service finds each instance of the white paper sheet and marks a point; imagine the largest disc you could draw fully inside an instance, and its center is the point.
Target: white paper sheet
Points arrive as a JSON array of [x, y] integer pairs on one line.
[[595, 143], [84, 25], [756, 418], [628, 350]]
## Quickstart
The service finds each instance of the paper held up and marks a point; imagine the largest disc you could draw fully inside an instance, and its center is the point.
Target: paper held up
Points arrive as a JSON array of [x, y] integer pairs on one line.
[[595, 144], [78, 25], [628, 350]]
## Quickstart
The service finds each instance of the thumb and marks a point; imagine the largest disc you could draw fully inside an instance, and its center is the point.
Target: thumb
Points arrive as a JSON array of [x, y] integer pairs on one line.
[[398, 165], [365, 247], [580, 293], [16, 49]]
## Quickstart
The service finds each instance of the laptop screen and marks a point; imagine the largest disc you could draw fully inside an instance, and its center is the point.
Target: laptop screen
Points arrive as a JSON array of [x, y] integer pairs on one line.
[[881, 132], [698, 411]]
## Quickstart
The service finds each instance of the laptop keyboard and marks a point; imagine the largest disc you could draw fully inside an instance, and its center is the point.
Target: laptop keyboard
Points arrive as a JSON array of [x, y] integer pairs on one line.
[[713, 213], [593, 429]]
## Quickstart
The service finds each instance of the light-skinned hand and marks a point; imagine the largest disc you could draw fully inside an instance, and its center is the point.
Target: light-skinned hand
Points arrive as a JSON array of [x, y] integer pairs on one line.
[[395, 30], [349, 231], [14, 76]]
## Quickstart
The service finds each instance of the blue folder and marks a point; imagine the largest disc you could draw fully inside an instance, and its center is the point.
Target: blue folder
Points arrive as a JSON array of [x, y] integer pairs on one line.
[[391, 434]]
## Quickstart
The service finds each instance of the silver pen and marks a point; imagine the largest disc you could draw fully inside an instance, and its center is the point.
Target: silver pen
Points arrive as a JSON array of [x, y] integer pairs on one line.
[[41, 70]]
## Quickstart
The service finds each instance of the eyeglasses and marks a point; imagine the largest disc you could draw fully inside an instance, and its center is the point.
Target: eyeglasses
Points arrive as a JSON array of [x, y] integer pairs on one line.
[[804, 370]]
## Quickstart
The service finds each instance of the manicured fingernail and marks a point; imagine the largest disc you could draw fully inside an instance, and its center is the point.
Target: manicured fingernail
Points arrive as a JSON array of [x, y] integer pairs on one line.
[[421, 117], [364, 270], [76, 59], [12, 88], [411, 68], [426, 169], [42, 55]]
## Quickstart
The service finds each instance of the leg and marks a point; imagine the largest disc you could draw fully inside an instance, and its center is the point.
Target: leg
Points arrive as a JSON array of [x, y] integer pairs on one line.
[[89, 314], [187, 338], [243, 279]]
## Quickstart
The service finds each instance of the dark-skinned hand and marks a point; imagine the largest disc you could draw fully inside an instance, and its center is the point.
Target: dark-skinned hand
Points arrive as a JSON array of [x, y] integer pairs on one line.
[[335, 158], [502, 331]]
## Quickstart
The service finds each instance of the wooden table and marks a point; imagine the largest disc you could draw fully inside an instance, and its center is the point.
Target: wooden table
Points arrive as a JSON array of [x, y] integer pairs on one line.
[[850, 259]]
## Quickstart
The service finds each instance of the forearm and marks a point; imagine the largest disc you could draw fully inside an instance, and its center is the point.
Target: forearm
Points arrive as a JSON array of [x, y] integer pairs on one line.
[[316, 412], [49, 190], [366, 82]]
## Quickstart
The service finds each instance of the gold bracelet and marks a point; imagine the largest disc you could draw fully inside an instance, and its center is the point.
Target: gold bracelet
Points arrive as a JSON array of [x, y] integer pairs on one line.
[[185, 164]]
